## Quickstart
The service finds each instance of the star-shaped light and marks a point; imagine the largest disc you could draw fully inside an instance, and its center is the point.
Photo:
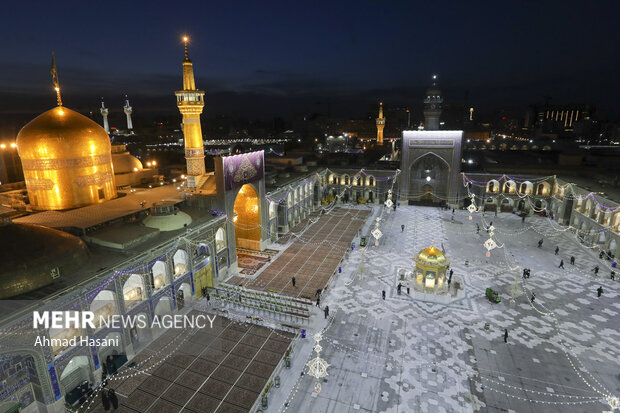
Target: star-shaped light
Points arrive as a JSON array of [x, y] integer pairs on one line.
[[490, 244], [377, 233], [389, 203]]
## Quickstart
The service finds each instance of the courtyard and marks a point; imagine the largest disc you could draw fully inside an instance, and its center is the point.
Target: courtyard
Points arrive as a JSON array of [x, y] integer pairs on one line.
[[409, 355]]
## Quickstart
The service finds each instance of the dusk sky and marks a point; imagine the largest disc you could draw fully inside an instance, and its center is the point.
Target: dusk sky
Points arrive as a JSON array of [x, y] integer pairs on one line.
[[280, 58]]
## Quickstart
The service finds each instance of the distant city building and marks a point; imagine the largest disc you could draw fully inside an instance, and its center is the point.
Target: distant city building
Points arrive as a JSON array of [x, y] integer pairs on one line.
[[559, 119]]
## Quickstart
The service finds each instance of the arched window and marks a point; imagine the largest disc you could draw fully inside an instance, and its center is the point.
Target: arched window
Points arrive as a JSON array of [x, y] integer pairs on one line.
[[158, 275], [220, 239], [181, 263], [133, 291], [526, 188]]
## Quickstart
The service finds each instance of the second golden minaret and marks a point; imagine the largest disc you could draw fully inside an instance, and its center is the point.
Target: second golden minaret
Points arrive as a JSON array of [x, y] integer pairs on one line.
[[191, 102], [380, 125]]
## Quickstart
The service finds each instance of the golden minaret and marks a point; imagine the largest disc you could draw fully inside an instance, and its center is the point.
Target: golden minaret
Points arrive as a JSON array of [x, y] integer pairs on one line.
[[190, 102], [380, 125]]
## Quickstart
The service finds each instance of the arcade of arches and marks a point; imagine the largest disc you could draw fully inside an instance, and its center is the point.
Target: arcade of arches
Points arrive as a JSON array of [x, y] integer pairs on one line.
[[247, 218]]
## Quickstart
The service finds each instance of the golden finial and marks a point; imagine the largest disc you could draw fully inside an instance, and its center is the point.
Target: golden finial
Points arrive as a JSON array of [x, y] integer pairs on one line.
[[186, 40], [55, 80]]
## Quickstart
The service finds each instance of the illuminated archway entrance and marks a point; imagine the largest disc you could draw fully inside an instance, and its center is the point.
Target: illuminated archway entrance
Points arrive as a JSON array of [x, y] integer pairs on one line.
[[427, 194], [247, 218]]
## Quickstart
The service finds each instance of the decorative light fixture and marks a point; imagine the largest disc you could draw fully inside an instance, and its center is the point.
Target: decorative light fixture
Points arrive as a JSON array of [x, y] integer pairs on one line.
[[317, 367], [614, 403]]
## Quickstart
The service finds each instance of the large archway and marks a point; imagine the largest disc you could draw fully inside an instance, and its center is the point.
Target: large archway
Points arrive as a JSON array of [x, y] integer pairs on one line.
[[429, 170], [247, 218], [76, 373]]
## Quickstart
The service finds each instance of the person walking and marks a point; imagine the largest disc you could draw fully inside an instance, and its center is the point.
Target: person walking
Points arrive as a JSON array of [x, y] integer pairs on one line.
[[113, 398], [596, 270], [533, 296], [383, 294], [523, 219], [326, 311], [318, 301], [557, 249], [599, 291], [540, 243], [572, 260], [408, 290], [399, 287], [208, 299], [105, 400], [505, 335], [613, 275], [402, 228], [293, 281], [561, 264]]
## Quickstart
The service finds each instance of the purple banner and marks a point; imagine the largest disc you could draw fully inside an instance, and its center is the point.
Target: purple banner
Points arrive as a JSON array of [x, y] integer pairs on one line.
[[243, 169]]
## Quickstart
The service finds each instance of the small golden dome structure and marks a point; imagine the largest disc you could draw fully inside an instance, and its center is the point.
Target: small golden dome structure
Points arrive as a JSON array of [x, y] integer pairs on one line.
[[67, 161], [431, 265], [125, 163]]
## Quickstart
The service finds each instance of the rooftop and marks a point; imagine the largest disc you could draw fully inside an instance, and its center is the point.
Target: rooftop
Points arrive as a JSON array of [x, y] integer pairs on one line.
[[127, 204]]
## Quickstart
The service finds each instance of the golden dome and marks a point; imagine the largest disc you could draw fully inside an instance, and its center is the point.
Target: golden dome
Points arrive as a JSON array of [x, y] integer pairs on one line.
[[66, 160], [126, 163], [431, 255]]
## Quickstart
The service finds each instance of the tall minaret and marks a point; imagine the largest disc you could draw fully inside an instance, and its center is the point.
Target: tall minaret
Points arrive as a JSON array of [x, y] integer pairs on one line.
[[104, 113], [127, 110], [432, 106], [380, 125], [190, 102]]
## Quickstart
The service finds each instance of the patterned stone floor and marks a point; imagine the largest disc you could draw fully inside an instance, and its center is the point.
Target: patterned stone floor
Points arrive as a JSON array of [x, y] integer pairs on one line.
[[406, 355]]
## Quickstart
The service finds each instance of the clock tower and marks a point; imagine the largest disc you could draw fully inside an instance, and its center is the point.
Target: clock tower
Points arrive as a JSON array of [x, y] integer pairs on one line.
[[432, 106]]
